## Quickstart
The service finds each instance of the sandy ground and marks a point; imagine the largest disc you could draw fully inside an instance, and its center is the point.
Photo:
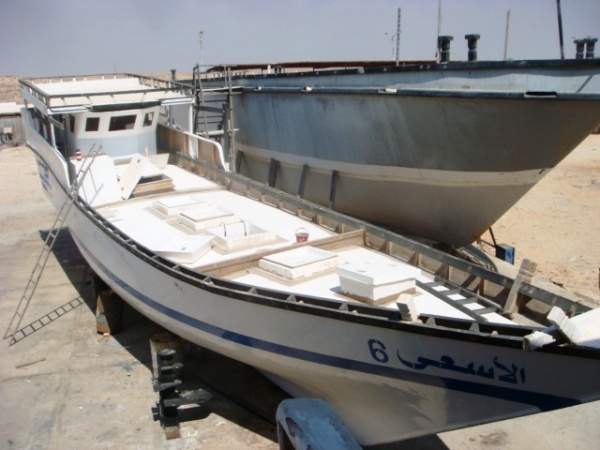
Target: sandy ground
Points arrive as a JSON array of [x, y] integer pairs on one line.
[[8, 89], [556, 223]]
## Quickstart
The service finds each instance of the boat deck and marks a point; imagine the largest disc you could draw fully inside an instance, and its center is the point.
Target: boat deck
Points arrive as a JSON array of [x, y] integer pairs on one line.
[[203, 226]]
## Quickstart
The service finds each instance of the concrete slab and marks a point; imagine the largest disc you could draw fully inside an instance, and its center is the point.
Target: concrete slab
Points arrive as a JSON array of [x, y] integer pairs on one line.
[[66, 387]]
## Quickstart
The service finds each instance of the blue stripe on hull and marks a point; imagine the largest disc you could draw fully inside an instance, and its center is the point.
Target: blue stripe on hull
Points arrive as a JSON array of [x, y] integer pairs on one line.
[[544, 402]]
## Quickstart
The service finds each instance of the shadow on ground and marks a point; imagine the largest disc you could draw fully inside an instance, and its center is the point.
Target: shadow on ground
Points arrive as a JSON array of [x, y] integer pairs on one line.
[[240, 394]]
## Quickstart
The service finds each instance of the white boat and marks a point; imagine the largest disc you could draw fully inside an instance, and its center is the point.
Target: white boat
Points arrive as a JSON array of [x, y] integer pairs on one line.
[[439, 151], [400, 339]]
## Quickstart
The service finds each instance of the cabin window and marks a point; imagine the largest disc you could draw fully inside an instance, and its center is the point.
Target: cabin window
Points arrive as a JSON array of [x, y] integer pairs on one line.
[[148, 118], [92, 124], [119, 123], [71, 123]]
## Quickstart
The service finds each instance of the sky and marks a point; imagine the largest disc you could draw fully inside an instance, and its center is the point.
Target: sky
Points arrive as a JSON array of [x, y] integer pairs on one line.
[[78, 37]]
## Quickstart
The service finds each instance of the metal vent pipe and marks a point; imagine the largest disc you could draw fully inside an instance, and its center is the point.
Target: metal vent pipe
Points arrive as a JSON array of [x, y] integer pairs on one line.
[[589, 47], [472, 43], [444, 48], [579, 47]]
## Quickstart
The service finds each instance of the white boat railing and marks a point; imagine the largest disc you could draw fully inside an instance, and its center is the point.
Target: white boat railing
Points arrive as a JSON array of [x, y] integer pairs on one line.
[[172, 92], [194, 146]]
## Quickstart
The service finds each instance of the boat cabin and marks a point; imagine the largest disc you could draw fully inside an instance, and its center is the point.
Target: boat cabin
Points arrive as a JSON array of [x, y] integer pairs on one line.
[[116, 112]]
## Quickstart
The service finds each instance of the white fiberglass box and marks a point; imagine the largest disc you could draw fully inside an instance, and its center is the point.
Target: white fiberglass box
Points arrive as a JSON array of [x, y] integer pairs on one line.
[[186, 251], [299, 263], [377, 282], [171, 206], [202, 218]]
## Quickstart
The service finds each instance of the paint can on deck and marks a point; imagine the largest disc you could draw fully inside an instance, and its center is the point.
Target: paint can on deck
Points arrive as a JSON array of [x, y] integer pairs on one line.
[[78, 155], [301, 235]]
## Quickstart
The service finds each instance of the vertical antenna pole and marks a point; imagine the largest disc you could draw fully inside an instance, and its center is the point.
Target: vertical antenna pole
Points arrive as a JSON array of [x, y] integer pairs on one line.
[[506, 35], [201, 36], [398, 38], [439, 31], [560, 30]]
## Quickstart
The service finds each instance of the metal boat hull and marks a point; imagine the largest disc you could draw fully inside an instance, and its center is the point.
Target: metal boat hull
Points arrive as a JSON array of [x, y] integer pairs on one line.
[[439, 151], [440, 166], [533, 76]]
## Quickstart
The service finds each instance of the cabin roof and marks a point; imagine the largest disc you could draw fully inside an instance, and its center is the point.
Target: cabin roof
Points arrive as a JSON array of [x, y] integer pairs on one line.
[[79, 94]]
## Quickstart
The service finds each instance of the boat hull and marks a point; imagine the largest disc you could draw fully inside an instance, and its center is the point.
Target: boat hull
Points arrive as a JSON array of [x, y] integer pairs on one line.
[[440, 151], [440, 166], [388, 380], [534, 76], [362, 376]]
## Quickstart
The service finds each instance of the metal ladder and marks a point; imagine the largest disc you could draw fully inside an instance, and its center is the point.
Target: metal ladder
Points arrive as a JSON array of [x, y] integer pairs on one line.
[[449, 289], [15, 322]]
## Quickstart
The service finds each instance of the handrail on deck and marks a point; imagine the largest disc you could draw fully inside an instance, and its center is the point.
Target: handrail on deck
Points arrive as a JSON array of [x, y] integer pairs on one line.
[[214, 148], [196, 147]]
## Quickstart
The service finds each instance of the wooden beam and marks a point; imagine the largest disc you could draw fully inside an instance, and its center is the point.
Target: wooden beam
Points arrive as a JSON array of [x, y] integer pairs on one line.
[[525, 274]]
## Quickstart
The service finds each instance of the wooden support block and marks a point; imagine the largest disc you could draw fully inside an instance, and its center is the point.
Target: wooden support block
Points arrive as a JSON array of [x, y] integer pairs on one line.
[[525, 274], [154, 185], [109, 312], [98, 285]]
